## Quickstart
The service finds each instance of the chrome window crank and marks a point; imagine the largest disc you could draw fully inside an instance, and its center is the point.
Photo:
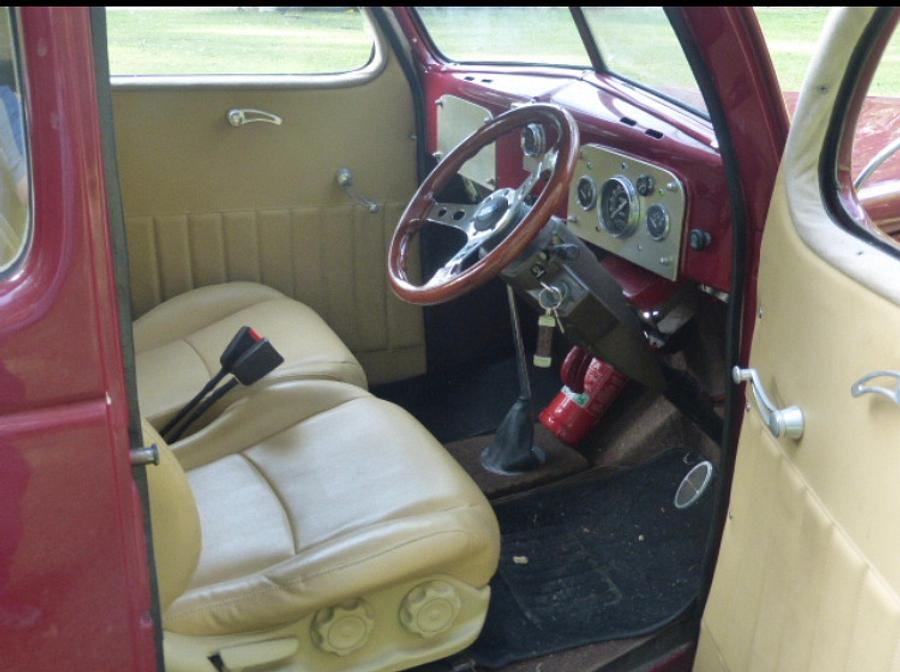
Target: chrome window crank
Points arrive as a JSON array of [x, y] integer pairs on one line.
[[860, 388], [344, 178], [787, 422], [237, 116]]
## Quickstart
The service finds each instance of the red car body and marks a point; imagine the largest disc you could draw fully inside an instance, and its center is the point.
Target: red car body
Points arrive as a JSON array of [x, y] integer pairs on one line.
[[75, 580]]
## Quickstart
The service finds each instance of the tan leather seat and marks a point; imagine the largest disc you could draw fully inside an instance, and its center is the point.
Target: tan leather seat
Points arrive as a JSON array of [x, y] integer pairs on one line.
[[179, 342], [332, 523]]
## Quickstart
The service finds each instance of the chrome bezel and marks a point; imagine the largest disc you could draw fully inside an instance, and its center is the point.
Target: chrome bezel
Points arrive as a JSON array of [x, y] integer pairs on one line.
[[665, 232], [634, 205], [540, 139], [593, 183]]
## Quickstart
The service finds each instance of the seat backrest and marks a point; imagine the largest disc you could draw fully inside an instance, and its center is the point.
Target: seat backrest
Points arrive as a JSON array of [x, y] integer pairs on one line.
[[175, 521]]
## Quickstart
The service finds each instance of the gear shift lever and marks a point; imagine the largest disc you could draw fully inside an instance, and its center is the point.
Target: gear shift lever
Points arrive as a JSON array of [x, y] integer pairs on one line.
[[513, 450]]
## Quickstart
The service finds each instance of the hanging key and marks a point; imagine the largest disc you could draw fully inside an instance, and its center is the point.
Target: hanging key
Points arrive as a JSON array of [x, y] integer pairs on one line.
[[550, 300], [543, 353]]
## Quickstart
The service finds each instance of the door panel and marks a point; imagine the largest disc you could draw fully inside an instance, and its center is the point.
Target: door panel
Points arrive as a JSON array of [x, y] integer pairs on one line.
[[74, 575], [206, 202], [808, 576]]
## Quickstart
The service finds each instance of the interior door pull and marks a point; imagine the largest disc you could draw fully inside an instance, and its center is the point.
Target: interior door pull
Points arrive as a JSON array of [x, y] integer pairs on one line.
[[787, 422], [860, 388], [238, 116], [344, 178]]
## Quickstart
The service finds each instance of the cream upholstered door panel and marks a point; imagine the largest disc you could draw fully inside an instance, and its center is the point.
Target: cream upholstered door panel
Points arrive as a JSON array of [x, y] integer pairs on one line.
[[207, 203], [808, 576]]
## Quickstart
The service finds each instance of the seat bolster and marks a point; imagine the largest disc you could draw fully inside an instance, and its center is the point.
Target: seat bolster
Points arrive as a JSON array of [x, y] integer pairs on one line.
[[255, 417], [176, 523], [187, 313], [462, 543]]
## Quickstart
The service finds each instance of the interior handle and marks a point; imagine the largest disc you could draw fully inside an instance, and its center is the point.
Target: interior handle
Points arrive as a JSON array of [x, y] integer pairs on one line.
[[782, 422], [860, 388], [344, 178], [238, 116]]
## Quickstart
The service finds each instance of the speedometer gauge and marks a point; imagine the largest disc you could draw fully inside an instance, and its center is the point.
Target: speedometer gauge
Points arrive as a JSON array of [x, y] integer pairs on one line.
[[619, 207]]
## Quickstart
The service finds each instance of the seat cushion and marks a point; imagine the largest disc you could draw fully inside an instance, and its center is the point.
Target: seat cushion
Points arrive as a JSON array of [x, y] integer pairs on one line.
[[178, 343], [314, 492]]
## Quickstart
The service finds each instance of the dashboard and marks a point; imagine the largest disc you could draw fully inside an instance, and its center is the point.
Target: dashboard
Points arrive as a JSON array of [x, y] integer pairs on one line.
[[649, 189], [629, 207]]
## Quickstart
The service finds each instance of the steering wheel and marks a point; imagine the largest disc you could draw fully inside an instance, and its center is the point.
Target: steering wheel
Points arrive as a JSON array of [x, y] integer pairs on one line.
[[502, 212]]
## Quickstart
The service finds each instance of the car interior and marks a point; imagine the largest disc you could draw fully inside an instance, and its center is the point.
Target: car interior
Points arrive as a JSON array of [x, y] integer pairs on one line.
[[452, 262]]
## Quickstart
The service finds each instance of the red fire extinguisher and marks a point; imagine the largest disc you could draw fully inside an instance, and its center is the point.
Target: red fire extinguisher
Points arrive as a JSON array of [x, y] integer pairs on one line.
[[590, 387]]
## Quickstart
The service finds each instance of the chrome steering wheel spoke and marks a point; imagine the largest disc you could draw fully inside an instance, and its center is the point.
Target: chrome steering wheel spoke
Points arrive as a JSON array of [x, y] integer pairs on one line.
[[454, 264], [454, 215]]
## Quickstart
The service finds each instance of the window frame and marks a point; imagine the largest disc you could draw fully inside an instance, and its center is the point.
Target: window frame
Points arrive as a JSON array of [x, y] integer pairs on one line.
[[592, 50], [358, 76], [16, 265], [835, 184]]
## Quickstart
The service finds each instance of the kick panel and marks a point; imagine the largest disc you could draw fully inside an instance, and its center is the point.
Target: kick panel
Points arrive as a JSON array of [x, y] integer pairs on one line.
[[629, 207]]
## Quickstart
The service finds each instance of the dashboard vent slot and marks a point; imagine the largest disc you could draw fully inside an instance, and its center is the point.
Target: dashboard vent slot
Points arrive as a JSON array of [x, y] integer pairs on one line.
[[628, 121], [654, 134]]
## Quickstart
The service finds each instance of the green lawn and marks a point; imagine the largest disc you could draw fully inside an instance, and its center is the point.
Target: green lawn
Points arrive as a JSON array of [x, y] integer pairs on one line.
[[170, 41], [637, 42]]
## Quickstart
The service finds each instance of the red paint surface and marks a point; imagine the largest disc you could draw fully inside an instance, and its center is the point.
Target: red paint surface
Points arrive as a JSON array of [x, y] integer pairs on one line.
[[731, 44], [73, 571]]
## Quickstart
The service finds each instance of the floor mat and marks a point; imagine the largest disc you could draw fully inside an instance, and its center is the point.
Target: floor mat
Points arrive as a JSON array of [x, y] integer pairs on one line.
[[561, 461], [594, 562], [466, 402]]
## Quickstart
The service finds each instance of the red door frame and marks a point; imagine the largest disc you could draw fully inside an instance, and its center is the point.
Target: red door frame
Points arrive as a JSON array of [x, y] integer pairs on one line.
[[74, 586]]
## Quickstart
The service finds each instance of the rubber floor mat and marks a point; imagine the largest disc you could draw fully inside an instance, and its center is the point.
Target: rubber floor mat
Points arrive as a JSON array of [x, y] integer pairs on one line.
[[468, 401], [603, 560]]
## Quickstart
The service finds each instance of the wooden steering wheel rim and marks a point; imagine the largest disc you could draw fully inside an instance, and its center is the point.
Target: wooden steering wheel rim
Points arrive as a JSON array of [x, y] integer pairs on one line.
[[514, 244]]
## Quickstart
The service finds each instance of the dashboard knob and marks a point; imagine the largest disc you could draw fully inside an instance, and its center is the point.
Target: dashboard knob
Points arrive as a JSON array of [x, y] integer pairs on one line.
[[699, 239]]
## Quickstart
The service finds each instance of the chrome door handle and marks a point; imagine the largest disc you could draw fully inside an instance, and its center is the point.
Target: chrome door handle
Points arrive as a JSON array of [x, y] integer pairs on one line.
[[344, 178], [787, 422], [238, 116], [860, 388]]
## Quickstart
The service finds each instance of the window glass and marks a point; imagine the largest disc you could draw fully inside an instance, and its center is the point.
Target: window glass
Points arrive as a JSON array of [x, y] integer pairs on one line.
[[638, 43], [791, 35], [237, 40], [15, 220], [523, 35], [876, 145]]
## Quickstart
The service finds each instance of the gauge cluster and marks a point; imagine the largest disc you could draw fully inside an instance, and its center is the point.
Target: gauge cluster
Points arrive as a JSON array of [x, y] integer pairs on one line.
[[628, 207]]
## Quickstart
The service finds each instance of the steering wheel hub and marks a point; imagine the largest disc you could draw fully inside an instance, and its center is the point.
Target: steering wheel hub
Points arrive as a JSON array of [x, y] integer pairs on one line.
[[491, 210]]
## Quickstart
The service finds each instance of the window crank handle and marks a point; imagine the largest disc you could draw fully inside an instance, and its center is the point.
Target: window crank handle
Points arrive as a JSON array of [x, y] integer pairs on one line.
[[782, 422]]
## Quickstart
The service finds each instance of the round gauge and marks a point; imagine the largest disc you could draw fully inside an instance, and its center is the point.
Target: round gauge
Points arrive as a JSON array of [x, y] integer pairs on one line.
[[586, 192], [645, 185], [534, 140], [619, 206], [657, 222]]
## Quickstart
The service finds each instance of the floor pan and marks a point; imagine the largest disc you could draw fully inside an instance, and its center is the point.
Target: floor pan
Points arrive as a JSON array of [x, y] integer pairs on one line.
[[592, 562]]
